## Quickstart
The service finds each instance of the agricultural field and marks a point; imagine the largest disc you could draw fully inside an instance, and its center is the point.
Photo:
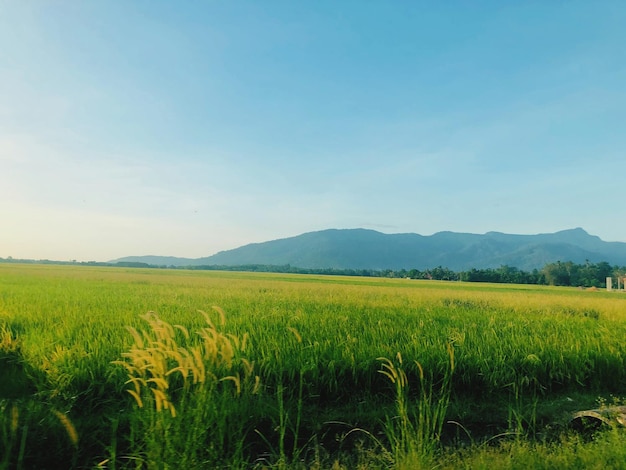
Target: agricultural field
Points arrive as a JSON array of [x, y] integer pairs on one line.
[[136, 368]]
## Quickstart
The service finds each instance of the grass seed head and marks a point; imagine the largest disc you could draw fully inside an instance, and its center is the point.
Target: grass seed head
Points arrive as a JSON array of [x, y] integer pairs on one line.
[[69, 427], [158, 354]]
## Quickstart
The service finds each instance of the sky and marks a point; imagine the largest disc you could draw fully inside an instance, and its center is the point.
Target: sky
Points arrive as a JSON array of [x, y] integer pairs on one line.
[[152, 127]]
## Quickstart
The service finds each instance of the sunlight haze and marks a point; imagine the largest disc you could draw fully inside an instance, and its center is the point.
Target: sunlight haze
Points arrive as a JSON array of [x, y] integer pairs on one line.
[[187, 128]]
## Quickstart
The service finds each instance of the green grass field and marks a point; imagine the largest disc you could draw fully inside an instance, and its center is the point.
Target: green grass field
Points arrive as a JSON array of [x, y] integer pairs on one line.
[[248, 370]]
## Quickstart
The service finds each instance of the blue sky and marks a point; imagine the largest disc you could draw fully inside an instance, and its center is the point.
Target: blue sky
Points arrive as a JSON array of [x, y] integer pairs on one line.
[[186, 128]]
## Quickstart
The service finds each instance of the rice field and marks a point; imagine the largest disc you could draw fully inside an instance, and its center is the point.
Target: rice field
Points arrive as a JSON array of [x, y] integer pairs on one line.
[[139, 368]]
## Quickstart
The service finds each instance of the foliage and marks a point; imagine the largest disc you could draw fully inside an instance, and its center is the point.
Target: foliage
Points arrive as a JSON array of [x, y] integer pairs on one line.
[[187, 393], [587, 275], [312, 340], [414, 435], [557, 274], [570, 451]]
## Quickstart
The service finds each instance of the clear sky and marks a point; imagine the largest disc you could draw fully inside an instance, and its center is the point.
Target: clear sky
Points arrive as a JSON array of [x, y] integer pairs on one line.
[[186, 128]]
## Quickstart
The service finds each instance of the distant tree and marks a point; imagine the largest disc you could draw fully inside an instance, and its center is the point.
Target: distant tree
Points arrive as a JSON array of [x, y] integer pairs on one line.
[[537, 277], [604, 270], [417, 274], [443, 274], [558, 274], [571, 274]]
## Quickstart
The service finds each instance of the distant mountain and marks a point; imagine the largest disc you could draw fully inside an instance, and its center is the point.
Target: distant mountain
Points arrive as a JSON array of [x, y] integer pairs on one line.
[[369, 249], [156, 260]]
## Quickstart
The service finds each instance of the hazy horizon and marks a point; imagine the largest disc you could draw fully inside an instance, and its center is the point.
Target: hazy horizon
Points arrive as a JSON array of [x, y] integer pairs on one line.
[[295, 235], [257, 242], [173, 129]]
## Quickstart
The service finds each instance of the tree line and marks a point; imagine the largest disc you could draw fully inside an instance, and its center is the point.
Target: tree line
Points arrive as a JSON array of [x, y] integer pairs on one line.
[[556, 274]]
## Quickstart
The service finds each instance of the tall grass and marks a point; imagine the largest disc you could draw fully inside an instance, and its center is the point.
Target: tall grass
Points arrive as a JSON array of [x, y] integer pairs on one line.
[[187, 389], [414, 432], [515, 347], [570, 451]]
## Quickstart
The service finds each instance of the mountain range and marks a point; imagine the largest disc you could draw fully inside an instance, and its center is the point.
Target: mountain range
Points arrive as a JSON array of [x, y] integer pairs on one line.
[[369, 249]]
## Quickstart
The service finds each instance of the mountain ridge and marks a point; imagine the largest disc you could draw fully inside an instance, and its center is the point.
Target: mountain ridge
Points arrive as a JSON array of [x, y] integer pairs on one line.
[[361, 248]]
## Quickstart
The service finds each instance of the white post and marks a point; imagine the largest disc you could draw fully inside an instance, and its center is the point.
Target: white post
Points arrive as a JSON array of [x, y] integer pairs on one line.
[[609, 283]]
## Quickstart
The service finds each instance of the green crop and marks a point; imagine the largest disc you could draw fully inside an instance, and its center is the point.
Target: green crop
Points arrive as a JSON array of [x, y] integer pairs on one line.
[[314, 342]]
